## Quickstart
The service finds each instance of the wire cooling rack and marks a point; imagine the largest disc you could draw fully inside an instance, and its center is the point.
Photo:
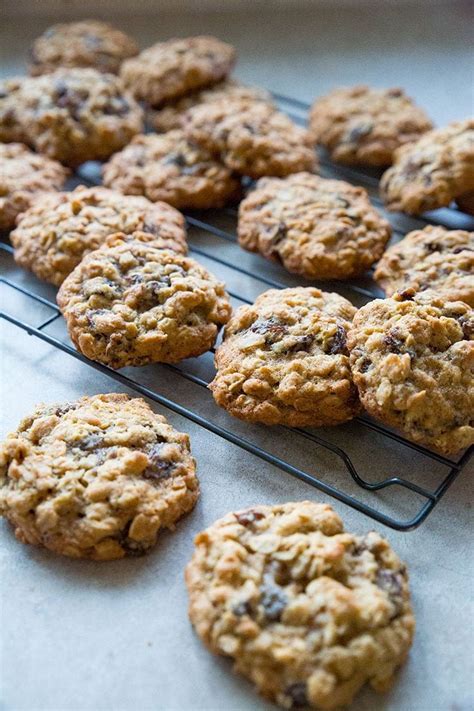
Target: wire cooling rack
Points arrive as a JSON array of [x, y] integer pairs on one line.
[[212, 240]]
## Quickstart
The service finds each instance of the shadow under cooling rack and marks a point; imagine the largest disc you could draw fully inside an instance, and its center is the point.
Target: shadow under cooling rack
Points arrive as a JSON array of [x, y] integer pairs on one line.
[[213, 241]]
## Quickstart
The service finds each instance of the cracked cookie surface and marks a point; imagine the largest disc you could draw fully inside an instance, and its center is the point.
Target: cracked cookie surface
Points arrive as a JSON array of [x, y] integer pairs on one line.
[[54, 235], [23, 176], [284, 360], [89, 43], [251, 137], [170, 69], [433, 259], [71, 115], [169, 167], [412, 359], [130, 303], [306, 611], [432, 172], [321, 229], [364, 126], [172, 114], [96, 478]]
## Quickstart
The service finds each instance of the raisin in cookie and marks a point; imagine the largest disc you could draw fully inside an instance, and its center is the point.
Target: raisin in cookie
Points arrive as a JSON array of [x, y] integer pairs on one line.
[[251, 137], [23, 175], [171, 69], [130, 303], [171, 168], [172, 114], [307, 612], [54, 235], [364, 126], [284, 360], [465, 202], [321, 229], [412, 359], [96, 478], [431, 259], [89, 43], [432, 172], [71, 115]]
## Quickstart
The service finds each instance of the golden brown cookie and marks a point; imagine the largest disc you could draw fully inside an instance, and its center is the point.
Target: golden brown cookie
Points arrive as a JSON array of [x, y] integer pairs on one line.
[[172, 114], [360, 125], [251, 137], [306, 611], [412, 359], [54, 235], [171, 69], [96, 478], [432, 172], [130, 303], [169, 167], [24, 175], [89, 43], [321, 229], [433, 259], [284, 360], [71, 115]]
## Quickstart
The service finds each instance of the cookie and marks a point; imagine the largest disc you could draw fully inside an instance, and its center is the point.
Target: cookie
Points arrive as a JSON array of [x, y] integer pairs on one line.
[[412, 359], [23, 175], [432, 259], [169, 167], [89, 43], [306, 611], [432, 172], [171, 69], [130, 303], [54, 235], [171, 115], [318, 228], [251, 137], [284, 360], [360, 125], [71, 115], [465, 202], [96, 478]]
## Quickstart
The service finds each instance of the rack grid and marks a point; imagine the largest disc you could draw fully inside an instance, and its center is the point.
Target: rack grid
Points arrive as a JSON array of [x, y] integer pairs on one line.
[[211, 223]]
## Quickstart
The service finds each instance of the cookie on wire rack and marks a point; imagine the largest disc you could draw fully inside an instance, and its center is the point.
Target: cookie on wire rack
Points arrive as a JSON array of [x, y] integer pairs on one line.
[[431, 172], [171, 69], [284, 360], [361, 125], [71, 115], [317, 228], [169, 167], [23, 176], [251, 137], [131, 303], [172, 114], [88, 43], [412, 360], [430, 260], [54, 235]]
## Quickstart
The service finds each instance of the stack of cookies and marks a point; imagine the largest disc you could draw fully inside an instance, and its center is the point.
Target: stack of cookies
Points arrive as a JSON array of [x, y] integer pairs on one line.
[[308, 612]]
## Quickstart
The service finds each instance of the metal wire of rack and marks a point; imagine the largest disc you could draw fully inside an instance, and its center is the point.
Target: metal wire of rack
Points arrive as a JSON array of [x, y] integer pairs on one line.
[[207, 224]]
